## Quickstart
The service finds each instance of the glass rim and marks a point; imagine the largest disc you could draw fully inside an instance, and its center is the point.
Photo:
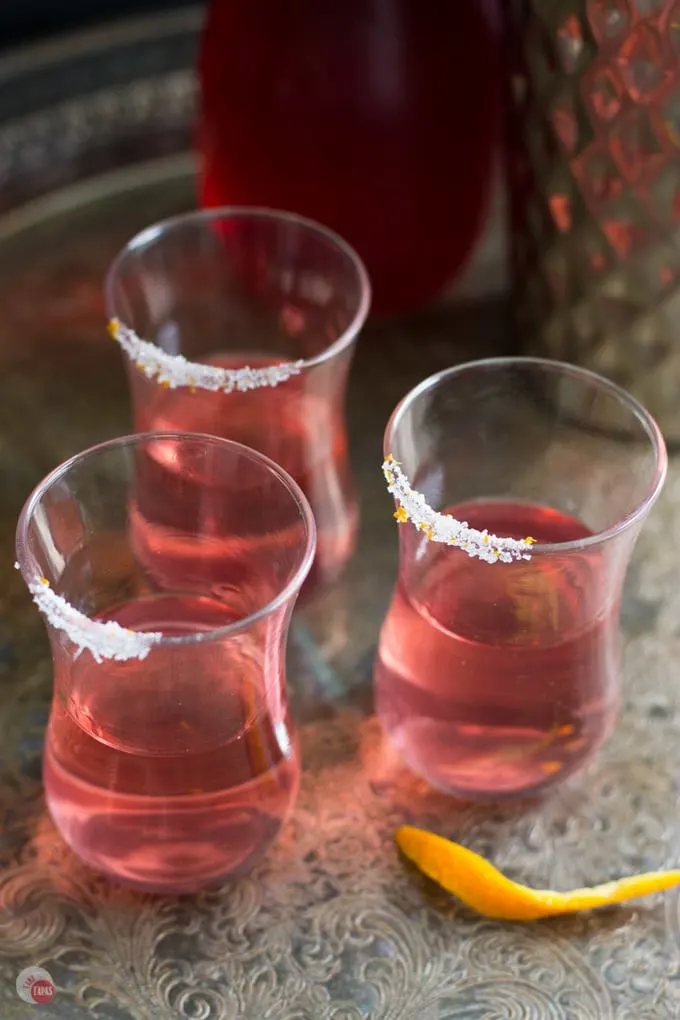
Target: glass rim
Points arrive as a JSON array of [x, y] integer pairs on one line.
[[146, 237], [31, 572], [584, 375]]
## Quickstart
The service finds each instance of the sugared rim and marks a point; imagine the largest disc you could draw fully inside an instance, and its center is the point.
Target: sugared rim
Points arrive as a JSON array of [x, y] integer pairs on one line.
[[33, 576], [565, 369], [150, 234]]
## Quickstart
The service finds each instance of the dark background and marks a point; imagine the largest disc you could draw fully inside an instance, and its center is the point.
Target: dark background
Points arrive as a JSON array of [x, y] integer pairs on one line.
[[24, 21]]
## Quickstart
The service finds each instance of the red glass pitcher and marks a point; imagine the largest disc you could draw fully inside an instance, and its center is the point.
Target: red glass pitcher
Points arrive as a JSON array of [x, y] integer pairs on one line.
[[375, 117]]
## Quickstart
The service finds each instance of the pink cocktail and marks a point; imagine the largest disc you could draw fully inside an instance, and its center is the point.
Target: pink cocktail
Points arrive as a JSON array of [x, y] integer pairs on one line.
[[175, 763], [499, 678], [237, 289]]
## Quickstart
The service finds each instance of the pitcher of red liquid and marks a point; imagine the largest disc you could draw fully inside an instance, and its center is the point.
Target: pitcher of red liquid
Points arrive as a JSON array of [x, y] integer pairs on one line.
[[240, 289], [496, 678], [377, 117], [167, 566]]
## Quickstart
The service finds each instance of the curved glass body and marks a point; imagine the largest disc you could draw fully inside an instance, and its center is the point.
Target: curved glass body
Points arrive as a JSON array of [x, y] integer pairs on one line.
[[170, 771], [253, 287], [496, 679]]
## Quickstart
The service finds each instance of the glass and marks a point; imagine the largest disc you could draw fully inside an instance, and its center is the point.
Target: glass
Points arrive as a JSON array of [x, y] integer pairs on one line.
[[170, 771], [254, 287], [295, 96], [496, 679], [594, 181]]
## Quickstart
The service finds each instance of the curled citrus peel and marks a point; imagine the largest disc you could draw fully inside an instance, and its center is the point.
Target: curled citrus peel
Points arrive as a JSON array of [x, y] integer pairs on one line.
[[483, 888]]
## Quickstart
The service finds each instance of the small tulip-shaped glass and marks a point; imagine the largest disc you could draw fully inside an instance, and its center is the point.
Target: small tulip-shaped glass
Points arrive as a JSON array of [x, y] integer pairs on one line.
[[167, 566], [498, 662], [214, 294]]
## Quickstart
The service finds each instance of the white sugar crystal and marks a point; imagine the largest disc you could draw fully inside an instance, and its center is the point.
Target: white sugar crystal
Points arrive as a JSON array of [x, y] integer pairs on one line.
[[173, 370], [104, 640], [445, 528]]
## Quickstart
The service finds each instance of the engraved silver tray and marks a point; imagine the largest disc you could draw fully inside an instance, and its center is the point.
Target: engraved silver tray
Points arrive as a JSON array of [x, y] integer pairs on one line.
[[95, 136]]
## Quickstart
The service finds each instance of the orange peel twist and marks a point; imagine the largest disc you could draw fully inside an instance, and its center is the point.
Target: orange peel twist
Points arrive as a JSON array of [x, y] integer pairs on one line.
[[483, 888]]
